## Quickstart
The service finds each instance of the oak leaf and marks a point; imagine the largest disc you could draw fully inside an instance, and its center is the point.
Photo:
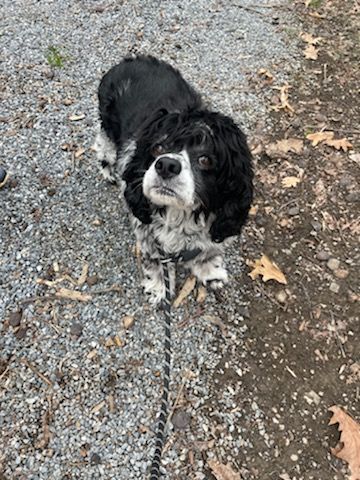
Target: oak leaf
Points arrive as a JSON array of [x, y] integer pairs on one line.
[[185, 291], [348, 448], [268, 269], [284, 146], [308, 38], [223, 472], [319, 137], [342, 143], [284, 99], [310, 52], [289, 182]]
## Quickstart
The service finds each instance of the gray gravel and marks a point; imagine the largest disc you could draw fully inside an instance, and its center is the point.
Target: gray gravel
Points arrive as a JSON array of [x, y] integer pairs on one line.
[[57, 366]]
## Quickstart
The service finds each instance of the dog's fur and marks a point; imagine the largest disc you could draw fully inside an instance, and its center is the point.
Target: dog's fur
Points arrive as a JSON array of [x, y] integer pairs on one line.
[[186, 171]]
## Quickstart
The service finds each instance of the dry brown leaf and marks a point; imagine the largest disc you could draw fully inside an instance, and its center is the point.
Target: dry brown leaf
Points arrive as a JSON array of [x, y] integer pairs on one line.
[[284, 146], [308, 38], [319, 137], [284, 99], [268, 269], [76, 118], [201, 295], [73, 295], [342, 143], [355, 157], [79, 152], [185, 291], [223, 472], [266, 74], [348, 448], [98, 407], [289, 182], [311, 53], [128, 321]]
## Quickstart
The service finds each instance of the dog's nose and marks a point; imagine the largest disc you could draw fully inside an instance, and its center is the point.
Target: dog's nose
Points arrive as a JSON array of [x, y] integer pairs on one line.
[[168, 167]]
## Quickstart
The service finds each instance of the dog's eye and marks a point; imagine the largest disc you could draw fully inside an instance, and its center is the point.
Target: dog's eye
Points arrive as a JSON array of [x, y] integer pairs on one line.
[[157, 150], [205, 162]]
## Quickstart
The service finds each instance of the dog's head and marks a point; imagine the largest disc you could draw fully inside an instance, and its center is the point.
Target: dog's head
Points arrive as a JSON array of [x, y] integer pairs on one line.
[[196, 161]]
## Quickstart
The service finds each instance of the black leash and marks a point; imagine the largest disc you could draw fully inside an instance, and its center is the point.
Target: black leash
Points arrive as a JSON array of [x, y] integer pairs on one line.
[[183, 256]]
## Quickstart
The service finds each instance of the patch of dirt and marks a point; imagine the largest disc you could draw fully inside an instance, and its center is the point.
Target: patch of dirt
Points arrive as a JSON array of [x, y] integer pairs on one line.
[[303, 337]]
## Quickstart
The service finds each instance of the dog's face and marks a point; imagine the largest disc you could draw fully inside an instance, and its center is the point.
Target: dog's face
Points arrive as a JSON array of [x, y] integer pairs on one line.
[[197, 161]]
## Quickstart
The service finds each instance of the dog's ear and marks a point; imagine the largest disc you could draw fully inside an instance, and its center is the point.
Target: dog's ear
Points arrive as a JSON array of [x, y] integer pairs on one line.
[[134, 196], [234, 179], [135, 170]]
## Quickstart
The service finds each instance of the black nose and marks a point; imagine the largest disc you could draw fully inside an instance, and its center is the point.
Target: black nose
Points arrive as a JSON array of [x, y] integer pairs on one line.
[[168, 167]]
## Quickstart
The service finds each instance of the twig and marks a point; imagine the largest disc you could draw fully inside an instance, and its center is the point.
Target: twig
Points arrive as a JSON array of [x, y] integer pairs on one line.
[[41, 298], [26, 362]]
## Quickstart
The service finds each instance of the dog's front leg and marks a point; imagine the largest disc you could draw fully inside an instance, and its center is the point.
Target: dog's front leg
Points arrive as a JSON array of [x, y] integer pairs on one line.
[[153, 281], [210, 271]]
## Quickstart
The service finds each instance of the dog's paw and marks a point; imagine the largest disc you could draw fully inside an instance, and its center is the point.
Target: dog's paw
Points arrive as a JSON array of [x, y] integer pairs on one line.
[[216, 284], [154, 290]]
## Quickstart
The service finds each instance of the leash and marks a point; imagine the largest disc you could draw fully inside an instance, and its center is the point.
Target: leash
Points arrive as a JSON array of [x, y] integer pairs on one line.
[[183, 256]]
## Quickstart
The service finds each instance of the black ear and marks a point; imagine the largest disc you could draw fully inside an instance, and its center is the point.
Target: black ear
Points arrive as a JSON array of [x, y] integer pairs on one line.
[[235, 179], [135, 170], [134, 196]]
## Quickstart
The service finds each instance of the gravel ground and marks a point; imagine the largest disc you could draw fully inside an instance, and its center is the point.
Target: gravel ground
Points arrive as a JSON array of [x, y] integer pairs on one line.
[[75, 402]]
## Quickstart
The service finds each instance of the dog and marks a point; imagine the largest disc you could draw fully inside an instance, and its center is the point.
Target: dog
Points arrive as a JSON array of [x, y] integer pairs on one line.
[[186, 171]]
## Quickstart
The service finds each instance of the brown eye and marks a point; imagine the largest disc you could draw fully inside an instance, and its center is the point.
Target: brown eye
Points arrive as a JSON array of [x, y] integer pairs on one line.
[[205, 162], [157, 150]]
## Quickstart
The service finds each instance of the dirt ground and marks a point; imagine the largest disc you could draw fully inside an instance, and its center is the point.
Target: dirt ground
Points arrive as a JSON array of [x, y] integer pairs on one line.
[[304, 336]]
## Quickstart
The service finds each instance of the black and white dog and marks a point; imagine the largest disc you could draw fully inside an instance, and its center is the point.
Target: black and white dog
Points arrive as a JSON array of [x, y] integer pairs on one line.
[[186, 171]]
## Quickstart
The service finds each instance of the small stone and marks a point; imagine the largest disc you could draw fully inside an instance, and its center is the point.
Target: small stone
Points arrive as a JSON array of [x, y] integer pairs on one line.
[[334, 287], [281, 296], [181, 420], [294, 457], [244, 311], [341, 273], [95, 459], [322, 255], [92, 280], [128, 321], [76, 329], [353, 197], [15, 318], [51, 192], [333, 264], [21, 333], [293, 211], [316, 225]]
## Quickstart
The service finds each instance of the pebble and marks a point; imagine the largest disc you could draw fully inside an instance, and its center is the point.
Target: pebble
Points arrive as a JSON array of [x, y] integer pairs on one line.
[[76, 329], [293, 211], [322, 255], [334, 287], [95, 459], [15, 318], [333, 264], [281, 296], [341, 273], [181, 420], [294, 457], [92, 280]]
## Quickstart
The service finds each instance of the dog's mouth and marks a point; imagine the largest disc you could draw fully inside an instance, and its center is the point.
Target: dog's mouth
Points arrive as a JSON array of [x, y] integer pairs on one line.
[[165, 191]]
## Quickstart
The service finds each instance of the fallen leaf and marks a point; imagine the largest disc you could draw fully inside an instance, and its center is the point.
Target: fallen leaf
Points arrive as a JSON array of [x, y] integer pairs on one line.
[[289, 182], [342, 143], [269, 77], [185, 291], [355, 157], [284, 146], [311, 53], [253, 210], [284, 99], [76, 118], [319, 137], [128, 321], [348, 448], [205, 445], [268, 269], [223, 472], [308, 38], [201, 295], [72, 295], [84, 272], [80, 152], [119, 341], [98, 407]]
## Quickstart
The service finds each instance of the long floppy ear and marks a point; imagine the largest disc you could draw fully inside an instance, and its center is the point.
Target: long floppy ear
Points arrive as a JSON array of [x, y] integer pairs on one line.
[[134, 196], [235, 179], [135, 170]]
